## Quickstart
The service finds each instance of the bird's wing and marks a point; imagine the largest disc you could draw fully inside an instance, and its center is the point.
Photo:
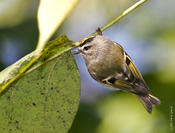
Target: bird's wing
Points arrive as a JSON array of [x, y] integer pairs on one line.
[[129, 78], [132, 66], [134, 76]]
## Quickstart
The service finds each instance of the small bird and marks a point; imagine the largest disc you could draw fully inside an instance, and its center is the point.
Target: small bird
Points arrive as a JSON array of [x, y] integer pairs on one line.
[[109, 64]]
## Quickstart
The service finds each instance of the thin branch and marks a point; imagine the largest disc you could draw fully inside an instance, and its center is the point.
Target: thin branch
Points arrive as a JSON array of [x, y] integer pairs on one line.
[[126, 12]]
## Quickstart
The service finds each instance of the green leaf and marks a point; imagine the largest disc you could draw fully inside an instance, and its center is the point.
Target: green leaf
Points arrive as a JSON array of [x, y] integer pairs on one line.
[[45, 100], [30, 62], [46, 97], [51, 14]]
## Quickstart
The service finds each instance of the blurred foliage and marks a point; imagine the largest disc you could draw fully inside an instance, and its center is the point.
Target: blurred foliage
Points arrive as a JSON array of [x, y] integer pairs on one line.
[[132, 119], [14, 12], [20, 40], [86, 120], [51, 14]]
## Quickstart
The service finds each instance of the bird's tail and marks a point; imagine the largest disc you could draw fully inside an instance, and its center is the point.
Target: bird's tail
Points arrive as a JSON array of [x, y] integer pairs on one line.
[[148, 101]]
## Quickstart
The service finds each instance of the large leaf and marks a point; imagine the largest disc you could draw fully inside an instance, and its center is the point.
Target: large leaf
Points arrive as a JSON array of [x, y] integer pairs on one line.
[[51, 14], [46, 98]]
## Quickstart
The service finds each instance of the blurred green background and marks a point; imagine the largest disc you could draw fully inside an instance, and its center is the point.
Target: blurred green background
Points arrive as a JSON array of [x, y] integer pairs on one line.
[[148, 36]]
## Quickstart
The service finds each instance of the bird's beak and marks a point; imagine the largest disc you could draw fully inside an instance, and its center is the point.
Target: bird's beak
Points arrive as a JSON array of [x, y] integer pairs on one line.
[[78, 51]]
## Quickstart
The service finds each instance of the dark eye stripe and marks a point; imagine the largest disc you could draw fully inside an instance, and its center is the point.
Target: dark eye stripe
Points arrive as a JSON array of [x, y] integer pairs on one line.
[[88, 40]]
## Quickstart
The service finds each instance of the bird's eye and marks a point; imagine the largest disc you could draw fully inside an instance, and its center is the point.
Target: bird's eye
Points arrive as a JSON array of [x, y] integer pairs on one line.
[[86, 48]]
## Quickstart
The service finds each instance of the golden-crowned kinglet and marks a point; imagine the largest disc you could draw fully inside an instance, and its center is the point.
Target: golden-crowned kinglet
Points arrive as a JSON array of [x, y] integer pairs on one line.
[[110, 65]]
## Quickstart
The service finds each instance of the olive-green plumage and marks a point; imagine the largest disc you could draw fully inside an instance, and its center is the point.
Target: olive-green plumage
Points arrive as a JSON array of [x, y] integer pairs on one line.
[[110, 65]]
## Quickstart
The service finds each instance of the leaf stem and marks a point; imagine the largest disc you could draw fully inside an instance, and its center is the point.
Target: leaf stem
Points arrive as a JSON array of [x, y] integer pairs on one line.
[[126, 12]]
